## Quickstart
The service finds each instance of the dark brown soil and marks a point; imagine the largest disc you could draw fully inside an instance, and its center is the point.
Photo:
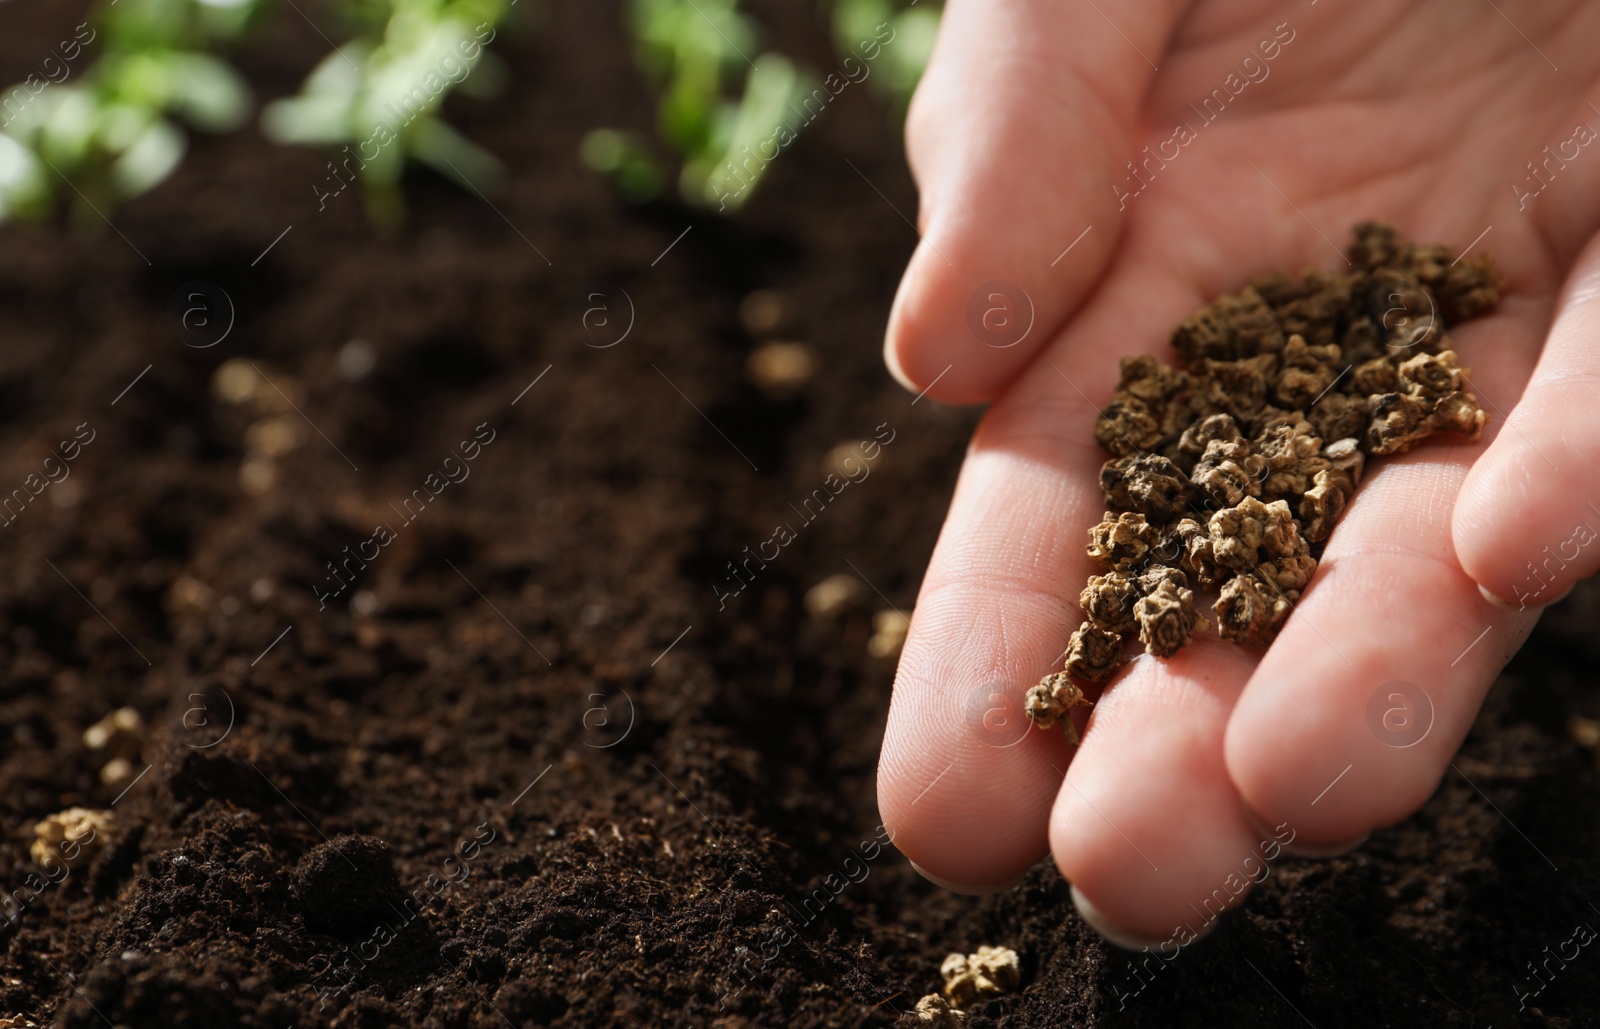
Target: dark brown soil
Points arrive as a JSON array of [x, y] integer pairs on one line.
[[497, 797]]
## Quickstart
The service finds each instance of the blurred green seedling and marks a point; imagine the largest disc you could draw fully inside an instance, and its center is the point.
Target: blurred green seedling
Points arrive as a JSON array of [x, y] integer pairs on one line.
[[375, 100], [101, 122], [720, 98]]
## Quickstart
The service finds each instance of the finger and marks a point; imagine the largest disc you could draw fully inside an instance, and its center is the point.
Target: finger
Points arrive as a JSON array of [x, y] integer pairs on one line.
[[1528, 518], [965, 785], [1360, 704], [1148, 826], [1021, 124]]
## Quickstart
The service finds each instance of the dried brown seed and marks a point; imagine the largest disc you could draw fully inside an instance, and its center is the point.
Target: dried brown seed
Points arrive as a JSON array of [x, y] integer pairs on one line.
[[1238, 387], [1319, 313], [1229, 471], [1376, 245], [1126, 426], [936, 1011], [1245, 535], [1307, 372], [1149, 484], [1241, 325], [1108, 601], [1345, 456], [1323, 504], [1192, 444], [1167, 618], [1249, 612], [1405, 311], [1049, 701], [71, 837], [1294, 455], [1122, 542], [1093, 655], [1459, 412], [1339, 415], [1432, 375], [1470, 289], [984, 973], [1187, 545], [1399, 422], [1379, 375], [1362, 341], [1146, 379]]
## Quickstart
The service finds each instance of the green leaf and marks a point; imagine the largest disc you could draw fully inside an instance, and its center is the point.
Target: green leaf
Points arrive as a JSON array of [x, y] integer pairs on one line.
[[149, 159]]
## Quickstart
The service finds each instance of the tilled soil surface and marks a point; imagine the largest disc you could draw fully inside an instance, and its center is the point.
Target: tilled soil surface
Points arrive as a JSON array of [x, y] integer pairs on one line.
[[526, 768]]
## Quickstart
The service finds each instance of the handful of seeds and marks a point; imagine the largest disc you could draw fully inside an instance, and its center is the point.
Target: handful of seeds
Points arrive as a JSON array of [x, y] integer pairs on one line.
[[1230, 470]]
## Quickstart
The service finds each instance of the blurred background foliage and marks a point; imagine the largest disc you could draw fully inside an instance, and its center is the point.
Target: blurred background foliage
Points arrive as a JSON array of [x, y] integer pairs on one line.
[[105, 117]]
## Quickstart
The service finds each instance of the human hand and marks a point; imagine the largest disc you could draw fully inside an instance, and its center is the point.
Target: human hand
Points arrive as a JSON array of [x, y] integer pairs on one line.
[[1425, 115]]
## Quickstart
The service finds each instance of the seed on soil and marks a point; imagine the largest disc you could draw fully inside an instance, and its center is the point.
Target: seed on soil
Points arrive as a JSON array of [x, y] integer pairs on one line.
[[984, 973], [888, 633], [117, 772], [933, 1009], [258, 474], [848, 461], [17, 1022], [235, 381], [833, 596], [72, 837], [763, 312], [781, 369], [119, 734], [1229, 472], [272, 437], [188, 594]]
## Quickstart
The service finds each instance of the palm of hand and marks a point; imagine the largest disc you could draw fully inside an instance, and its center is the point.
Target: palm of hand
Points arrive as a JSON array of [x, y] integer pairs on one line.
[[1193, 767]]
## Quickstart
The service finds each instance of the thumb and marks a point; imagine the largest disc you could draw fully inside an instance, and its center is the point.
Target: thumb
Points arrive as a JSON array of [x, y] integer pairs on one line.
[[1021, 124]]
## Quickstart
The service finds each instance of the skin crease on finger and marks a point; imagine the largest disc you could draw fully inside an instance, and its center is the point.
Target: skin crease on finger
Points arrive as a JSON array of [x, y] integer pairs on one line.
[[1441, 151]]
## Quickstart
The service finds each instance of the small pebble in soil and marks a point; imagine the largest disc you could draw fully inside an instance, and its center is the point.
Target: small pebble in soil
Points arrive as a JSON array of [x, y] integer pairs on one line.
[[71, 837], [888, 633], [833, 596], [1229, 471]]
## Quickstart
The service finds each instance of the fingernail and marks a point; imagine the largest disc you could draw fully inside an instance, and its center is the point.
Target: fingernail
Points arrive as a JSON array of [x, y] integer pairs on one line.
[[1301, 851], [1125, 938], [892, 358], [1335, 850], [1496, 601], [964, 888]]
